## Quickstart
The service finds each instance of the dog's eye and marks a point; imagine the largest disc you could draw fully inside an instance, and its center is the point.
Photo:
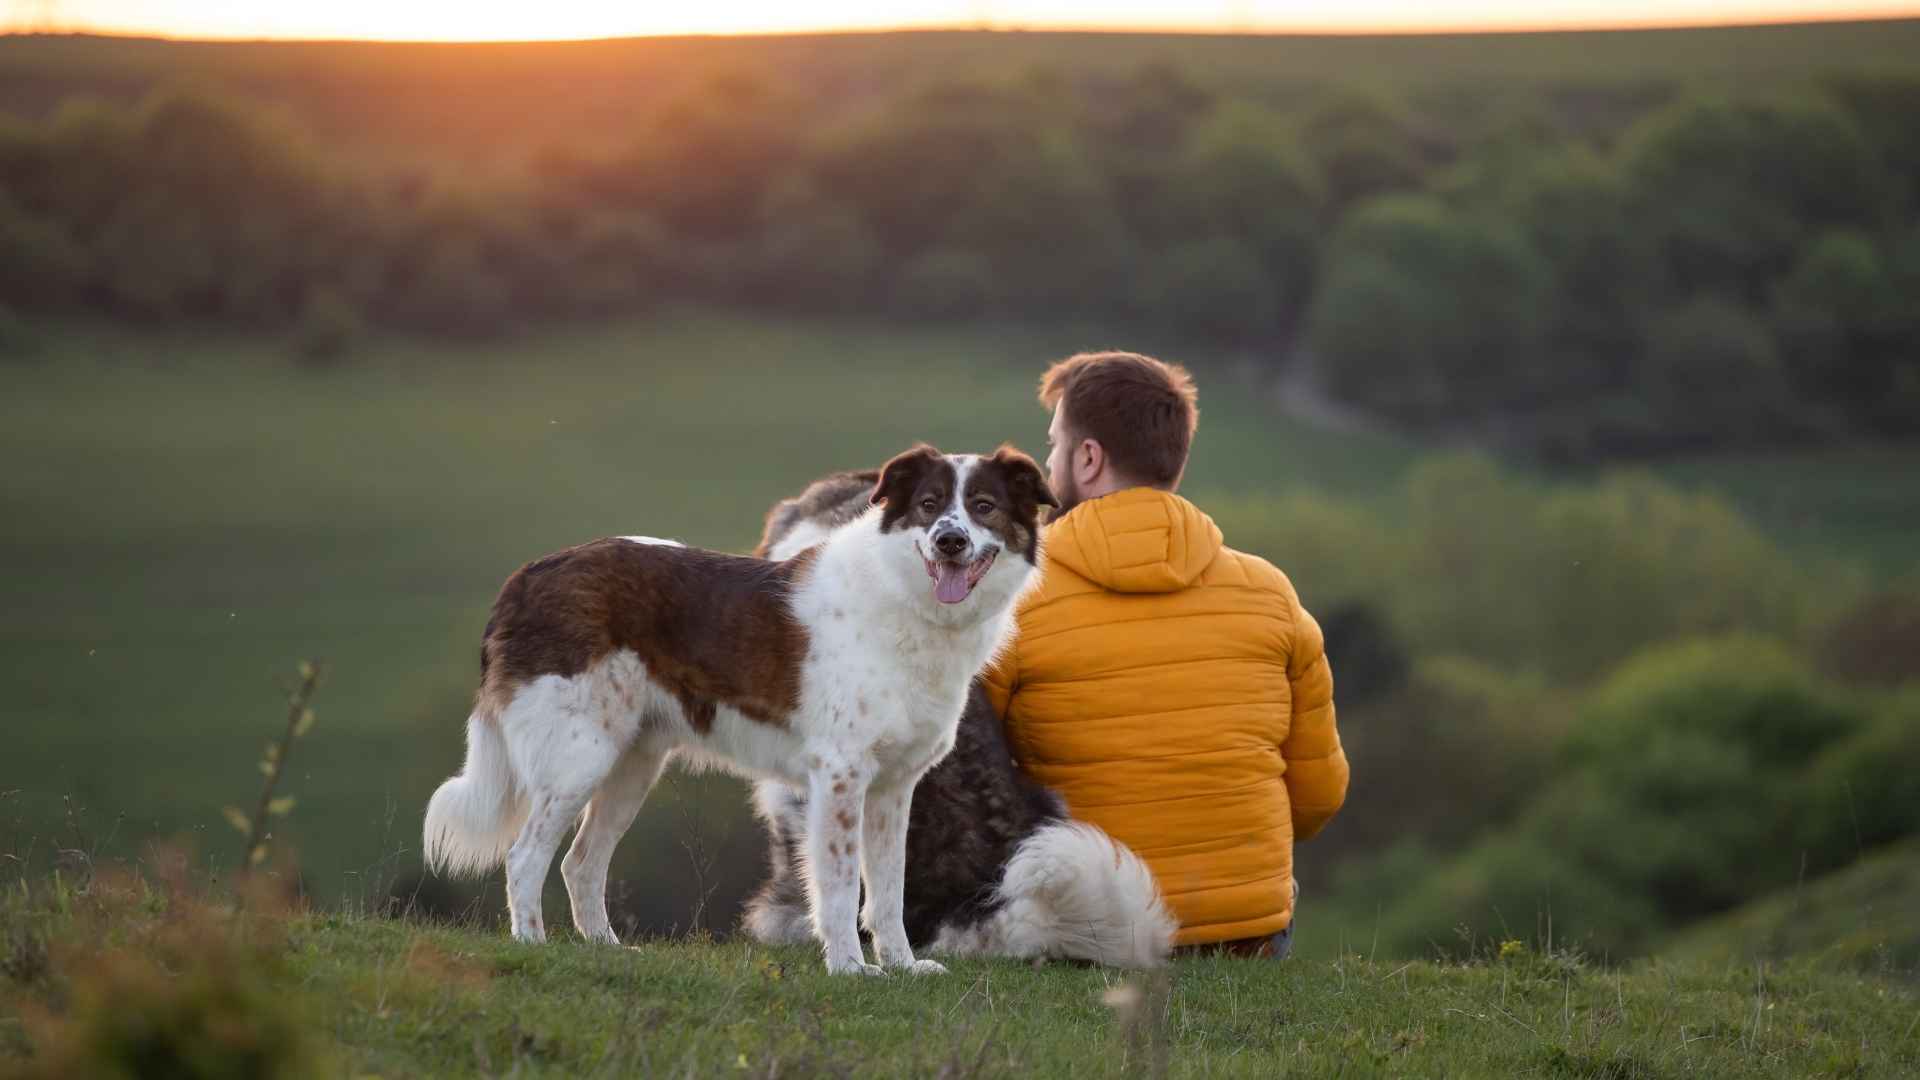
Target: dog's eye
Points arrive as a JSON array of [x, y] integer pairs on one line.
[[983, 507], [930, 505]]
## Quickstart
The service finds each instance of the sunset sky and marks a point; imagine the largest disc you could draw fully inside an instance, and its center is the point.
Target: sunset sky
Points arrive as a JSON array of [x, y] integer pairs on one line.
[[493, 20]]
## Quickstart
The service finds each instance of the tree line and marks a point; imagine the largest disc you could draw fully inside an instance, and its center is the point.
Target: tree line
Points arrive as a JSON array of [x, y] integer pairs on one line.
[[1693, 268]]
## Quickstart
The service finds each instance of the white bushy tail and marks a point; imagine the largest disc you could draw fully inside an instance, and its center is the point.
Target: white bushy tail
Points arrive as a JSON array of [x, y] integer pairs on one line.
[[473, 818], [1072, 891]]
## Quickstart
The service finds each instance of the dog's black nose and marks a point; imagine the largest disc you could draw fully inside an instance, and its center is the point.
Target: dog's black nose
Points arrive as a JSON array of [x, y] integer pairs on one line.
[[950, 543]]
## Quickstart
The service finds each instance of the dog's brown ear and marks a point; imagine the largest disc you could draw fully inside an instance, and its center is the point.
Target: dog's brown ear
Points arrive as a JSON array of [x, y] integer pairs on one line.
[[898, 479], [1025, 481]]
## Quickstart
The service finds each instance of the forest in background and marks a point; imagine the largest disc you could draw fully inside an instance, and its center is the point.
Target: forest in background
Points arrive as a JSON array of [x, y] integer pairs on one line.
[[1716, 249]]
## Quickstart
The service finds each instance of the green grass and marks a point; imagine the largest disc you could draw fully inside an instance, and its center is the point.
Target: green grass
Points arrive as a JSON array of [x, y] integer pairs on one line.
[[706, 1008], [1865, 917], [390, 998]]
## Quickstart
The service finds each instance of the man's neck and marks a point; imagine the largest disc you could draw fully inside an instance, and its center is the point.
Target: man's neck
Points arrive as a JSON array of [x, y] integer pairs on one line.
[[1105, 487]]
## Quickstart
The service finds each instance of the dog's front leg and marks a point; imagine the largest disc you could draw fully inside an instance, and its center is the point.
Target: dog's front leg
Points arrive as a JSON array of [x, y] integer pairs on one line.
[[885, 855], [835, 796]]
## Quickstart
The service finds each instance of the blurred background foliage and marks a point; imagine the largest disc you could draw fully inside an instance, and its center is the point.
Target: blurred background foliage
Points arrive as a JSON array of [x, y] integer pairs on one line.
[[1586, 268], [1571, 377]]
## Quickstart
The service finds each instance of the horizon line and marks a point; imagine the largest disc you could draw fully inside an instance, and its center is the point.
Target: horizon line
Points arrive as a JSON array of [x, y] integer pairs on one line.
[[1488, 29]]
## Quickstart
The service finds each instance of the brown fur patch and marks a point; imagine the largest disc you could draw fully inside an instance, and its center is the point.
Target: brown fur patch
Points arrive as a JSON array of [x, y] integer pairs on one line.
[[711, 629], [915, 487], [1004, 494]]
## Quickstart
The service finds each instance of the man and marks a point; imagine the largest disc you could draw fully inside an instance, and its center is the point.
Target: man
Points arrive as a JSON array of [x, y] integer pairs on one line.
[[1172, 689]]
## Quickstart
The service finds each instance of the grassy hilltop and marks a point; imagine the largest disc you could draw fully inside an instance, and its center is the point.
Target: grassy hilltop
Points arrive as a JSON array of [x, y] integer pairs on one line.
[[335, 995]]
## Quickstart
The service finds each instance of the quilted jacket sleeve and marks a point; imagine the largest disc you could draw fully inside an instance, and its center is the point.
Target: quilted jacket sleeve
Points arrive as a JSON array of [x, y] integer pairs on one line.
[[1316, 774]]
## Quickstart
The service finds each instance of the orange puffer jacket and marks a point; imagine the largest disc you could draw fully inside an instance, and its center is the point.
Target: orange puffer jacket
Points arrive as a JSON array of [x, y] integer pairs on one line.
[[1175, 692]]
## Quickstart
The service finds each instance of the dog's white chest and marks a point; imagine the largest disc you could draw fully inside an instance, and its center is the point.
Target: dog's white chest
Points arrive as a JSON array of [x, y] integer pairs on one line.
[[885, 689]]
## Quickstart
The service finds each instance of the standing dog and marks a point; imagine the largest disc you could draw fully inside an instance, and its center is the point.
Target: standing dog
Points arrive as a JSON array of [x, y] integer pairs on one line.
[[994, 866], [841, 671]]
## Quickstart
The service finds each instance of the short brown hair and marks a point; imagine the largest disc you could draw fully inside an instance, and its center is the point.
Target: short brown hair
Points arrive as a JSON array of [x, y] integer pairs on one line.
[[1142, 411]]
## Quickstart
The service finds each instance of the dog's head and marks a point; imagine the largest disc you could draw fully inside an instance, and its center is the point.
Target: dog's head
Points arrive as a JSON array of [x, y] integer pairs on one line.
[[972, 522]]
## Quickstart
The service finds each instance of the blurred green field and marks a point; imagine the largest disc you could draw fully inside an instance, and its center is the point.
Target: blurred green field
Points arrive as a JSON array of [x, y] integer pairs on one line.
[[188, 517]]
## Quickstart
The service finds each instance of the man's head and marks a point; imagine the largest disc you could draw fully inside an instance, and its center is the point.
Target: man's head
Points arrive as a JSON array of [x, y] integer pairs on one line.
[[1120, 420]]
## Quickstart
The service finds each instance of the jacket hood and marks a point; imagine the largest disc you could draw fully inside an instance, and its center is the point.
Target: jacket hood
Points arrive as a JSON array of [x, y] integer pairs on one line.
[[1140, 540]]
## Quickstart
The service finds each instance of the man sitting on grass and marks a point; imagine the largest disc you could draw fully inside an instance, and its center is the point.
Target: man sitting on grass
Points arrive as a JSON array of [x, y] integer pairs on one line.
[[1172, 689]]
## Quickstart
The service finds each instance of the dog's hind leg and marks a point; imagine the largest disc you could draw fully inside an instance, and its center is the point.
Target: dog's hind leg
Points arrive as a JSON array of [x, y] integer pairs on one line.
[[562, 749], [608, 817], [777, 914]]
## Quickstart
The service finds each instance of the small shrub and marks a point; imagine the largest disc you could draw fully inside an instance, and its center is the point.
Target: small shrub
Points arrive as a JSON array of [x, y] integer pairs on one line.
[[189, 987], [1373, 659], [216, 1019], [1865, 791], [1742, 694]]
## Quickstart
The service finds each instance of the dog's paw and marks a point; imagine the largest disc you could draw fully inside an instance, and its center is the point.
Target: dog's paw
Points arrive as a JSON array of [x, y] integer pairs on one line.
[[856, 967], [926, 967]]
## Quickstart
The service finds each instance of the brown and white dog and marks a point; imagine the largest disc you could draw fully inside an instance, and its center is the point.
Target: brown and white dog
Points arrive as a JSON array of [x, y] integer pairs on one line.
[[841, 671], [995, 865]]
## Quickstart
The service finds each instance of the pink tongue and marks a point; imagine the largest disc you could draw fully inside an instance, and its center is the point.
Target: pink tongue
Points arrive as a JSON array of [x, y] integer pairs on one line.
[[950, 583]]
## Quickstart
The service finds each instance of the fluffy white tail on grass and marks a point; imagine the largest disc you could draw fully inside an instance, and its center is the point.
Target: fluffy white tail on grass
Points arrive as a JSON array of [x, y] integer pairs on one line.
[[1071, 891], [473, 818]]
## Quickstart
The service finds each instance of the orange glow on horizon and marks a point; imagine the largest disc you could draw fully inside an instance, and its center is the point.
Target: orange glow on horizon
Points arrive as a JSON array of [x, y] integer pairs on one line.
[[454, 20]]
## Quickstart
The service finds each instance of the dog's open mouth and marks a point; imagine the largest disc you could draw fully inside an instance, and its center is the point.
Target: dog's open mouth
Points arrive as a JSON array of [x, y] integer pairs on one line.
[[954, 581]]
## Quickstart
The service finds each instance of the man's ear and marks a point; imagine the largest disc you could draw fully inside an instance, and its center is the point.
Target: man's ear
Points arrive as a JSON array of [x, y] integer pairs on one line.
[[1025, 480], [898, 478], [1096, 458]]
